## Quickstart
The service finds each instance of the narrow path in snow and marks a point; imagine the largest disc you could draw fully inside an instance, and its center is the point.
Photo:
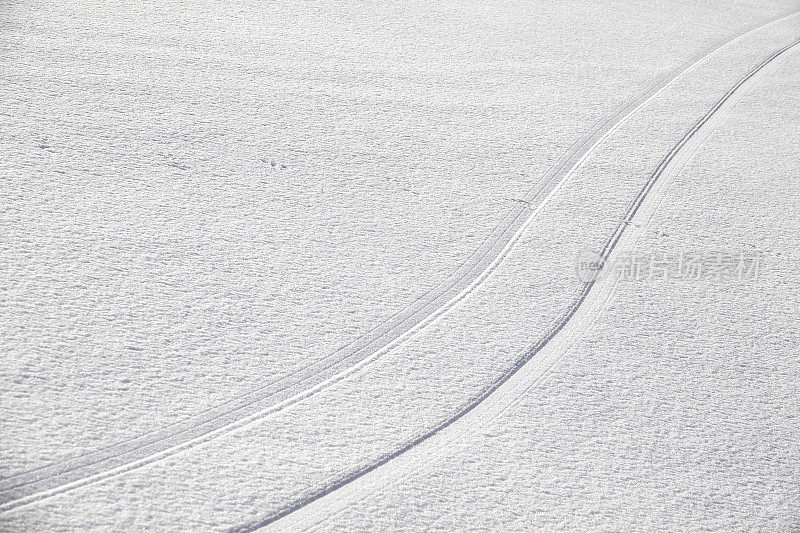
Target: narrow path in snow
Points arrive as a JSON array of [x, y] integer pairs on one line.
[[56, 478], [542, 354]]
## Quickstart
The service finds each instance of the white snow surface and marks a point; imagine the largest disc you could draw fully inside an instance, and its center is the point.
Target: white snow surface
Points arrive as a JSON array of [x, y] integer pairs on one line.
[[199, 198], [694, 426]]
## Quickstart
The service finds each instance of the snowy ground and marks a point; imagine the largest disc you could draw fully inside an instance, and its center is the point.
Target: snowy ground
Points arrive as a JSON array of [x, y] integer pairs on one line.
[[203, 205]]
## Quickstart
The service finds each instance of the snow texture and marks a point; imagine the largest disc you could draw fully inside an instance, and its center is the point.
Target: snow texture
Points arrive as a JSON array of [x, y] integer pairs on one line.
[[199, 202]]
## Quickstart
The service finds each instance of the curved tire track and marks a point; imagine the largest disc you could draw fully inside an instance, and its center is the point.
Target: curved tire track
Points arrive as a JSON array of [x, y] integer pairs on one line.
[[673, 160], [45, 481]]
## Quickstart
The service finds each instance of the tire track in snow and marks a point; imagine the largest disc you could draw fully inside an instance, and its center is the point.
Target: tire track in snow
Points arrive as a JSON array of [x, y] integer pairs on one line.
[[26, 487], [526, 373]]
